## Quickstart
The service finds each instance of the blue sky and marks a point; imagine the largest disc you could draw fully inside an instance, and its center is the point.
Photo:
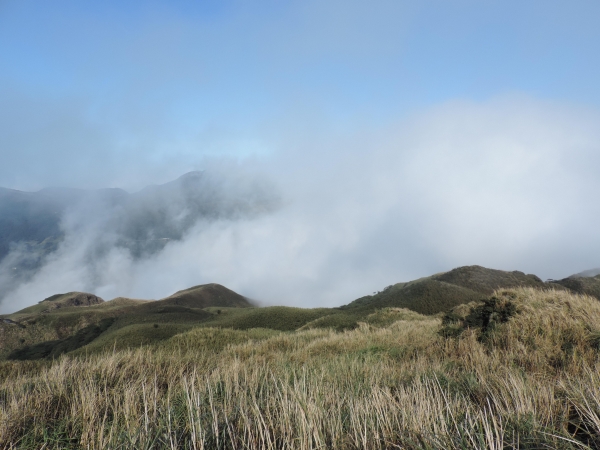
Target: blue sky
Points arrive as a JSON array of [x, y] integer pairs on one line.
[[154, 79], [404, 137]]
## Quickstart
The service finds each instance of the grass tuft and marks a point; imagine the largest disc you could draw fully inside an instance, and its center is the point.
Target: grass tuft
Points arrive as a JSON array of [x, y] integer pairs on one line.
[[393, 381]]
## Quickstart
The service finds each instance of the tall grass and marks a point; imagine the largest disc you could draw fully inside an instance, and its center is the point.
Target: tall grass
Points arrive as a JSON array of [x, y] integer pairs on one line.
[[532, 382]]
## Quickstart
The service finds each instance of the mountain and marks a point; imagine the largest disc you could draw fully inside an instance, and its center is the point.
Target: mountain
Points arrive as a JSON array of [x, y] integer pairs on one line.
[[58, 301], [66, 322], [582, 283], [34, 224], [33, 219], [80, 322], [443, 291], [156, 213], [587, 273], [207, 295], [30, 227]]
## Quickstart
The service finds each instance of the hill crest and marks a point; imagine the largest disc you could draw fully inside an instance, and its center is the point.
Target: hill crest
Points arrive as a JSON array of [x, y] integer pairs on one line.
[[206, 295], [59, 301], [443, 291]]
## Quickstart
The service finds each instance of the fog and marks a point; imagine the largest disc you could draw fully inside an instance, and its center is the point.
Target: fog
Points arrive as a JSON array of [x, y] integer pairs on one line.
[[333, 213]]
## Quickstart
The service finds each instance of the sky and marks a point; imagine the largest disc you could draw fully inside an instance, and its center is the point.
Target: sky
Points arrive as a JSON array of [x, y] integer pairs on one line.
[[404, 137]]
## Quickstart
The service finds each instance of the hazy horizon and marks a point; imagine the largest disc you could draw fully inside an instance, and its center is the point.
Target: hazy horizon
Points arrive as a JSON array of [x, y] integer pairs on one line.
[[351, 145]]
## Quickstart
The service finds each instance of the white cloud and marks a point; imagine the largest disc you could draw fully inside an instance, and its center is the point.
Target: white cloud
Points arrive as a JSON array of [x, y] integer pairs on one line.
[[510, 183]]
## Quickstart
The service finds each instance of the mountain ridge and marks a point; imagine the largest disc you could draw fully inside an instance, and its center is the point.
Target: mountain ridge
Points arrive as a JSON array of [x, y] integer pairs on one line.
[[33, 225], [440, 292], [76, 321]]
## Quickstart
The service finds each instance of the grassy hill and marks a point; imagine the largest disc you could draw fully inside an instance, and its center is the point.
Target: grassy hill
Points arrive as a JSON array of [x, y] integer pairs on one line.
[[66, 322], [471, 358], [518, 370], [281, 318], [486, 281], [441, 292], [207, 295], [589, 285], [58, 301], [588, 273], [427, 296], [83, 323]]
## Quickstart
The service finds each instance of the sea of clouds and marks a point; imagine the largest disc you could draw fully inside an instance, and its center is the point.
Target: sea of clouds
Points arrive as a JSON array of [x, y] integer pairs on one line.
[[510, 183]]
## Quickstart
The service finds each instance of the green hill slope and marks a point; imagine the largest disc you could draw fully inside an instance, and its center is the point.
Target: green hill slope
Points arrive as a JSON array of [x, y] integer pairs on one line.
[[582, 285], [77, 322], [441, 292], [207, 295], [61, 323], [58, 301], [280, 318], [517, 371], [425, 297], [486, 281]]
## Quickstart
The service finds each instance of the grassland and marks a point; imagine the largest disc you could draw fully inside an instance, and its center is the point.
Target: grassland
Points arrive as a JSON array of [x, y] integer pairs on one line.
[[67, 322], [443, 291], [520, 369]]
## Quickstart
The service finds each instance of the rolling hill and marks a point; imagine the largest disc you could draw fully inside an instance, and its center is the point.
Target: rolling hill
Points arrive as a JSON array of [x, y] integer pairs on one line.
[[66, 322], [582, 284], [207, 295], [443, 291], [78, 322], [518, 370], [58, 301]]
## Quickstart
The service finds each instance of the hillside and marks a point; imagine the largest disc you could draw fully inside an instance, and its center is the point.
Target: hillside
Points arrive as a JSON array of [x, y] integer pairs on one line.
[[65, 322], [588, 273], [465, 363], [582, 284], [58, 301], [441, 292], [80, 322], [486, 281], [207, 295], [428, 296], [517, 370]]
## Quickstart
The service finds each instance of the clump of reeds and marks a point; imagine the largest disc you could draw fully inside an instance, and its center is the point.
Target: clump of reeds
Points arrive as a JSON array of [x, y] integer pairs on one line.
[[530, 381]]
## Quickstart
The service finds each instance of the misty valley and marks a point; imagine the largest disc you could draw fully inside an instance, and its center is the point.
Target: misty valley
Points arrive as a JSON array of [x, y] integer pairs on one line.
[[446, 361], [299, 225], [36, 227], [469, 358]]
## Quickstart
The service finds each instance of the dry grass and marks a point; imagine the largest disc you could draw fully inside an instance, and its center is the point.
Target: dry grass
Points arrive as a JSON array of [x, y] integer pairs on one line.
[[532, 382]]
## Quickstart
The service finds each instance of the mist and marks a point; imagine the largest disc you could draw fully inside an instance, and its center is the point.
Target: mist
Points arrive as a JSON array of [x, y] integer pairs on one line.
[[334, 214]]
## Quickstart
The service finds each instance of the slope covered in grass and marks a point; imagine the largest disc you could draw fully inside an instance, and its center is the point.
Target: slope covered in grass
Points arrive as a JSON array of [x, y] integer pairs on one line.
[[207, 295], [58, 301], [589, 285], [55, 348], [521, 371], [442, 292], [62, 324], [280, 318], [68, 322], [484, 280], [428, 296]]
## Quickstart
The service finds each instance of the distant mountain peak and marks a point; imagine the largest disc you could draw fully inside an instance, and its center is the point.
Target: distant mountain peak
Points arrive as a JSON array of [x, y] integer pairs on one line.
[[192, 175], [587, 273]]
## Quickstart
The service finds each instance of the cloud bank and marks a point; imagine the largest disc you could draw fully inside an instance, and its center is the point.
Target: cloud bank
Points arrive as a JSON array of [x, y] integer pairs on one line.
[[510, 184]]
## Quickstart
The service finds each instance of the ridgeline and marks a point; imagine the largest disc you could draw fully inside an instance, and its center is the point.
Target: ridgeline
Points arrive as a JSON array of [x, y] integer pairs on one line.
[[79, 323]]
